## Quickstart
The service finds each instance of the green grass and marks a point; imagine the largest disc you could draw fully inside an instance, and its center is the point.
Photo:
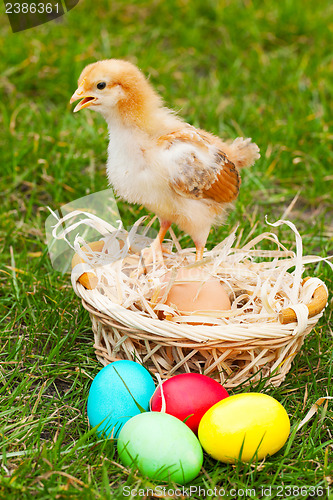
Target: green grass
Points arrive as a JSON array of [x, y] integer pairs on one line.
[[251, 68]]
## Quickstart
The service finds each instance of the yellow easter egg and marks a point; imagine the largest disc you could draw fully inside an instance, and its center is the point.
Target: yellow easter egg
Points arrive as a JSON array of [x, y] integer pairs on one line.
[[245, 426]]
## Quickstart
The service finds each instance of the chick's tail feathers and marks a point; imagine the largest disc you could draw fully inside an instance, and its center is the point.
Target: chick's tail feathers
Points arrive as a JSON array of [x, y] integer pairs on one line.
[[242, 152]]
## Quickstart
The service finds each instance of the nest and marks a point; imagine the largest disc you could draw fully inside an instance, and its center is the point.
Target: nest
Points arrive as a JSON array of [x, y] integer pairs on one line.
[[272, 310]]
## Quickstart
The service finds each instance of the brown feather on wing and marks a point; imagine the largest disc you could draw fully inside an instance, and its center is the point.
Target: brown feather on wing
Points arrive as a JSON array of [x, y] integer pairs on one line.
[[218, 181], [226, 186]]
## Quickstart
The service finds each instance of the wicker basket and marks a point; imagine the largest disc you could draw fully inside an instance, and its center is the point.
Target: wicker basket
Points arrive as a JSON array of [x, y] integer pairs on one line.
[[231, 363], [232, 353]]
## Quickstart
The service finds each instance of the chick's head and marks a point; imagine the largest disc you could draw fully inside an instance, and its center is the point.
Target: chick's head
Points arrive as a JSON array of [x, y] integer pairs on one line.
[[115, 88]]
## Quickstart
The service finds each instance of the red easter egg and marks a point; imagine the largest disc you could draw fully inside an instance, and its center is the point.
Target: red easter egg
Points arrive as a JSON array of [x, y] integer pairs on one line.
[[188, 394]]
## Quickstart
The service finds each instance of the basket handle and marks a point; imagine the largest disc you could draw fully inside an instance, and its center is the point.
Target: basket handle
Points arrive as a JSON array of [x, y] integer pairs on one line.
[[315, 306]]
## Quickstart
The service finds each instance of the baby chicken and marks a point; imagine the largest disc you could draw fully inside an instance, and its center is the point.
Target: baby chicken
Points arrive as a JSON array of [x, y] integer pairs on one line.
[[183, 174]]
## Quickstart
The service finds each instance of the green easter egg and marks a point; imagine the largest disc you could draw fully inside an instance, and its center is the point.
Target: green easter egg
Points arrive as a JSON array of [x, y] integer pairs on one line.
[[161, 447]]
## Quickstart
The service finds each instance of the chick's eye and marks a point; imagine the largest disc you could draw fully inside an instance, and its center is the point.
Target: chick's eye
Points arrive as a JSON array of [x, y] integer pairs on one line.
[[101, 85]]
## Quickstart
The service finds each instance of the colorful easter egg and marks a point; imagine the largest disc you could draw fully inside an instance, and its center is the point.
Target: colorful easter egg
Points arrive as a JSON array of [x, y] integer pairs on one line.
[[118, 392], [162, 447], [245, 426], [188, 396]]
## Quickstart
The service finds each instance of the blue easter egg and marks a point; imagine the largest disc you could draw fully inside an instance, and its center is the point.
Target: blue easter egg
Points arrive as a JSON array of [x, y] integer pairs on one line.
[[116, 395]]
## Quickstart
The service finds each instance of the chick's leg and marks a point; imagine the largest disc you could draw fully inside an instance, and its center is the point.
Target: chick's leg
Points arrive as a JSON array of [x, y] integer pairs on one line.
[[156, 246], [199, 252], [155, 251], [200, 240], [162, 232]]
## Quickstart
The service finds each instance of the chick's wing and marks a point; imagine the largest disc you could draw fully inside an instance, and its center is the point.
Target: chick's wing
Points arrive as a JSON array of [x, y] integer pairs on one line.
[[200, 169]]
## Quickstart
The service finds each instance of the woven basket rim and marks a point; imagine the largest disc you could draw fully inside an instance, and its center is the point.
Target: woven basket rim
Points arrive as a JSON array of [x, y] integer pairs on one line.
[[208, 333], [235, 344]]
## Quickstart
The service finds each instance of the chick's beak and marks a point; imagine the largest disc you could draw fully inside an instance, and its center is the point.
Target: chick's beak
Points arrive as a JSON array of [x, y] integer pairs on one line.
[[86, 100]]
